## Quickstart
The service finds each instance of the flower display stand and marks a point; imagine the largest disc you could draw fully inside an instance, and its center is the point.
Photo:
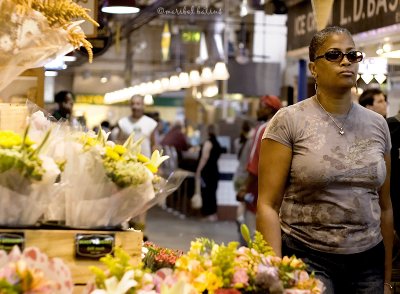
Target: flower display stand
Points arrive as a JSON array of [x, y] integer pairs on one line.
[[79, 249]]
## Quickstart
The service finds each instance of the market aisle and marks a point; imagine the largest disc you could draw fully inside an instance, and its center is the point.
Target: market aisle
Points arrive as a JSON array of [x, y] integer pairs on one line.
[[168, 230]]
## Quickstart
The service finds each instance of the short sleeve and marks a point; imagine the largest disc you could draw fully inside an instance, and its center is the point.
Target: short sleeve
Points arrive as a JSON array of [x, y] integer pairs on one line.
[[387, 137], [280, 128]]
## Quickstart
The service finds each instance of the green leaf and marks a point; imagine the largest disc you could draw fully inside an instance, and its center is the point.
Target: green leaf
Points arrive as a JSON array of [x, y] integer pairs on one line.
[[244, 230]]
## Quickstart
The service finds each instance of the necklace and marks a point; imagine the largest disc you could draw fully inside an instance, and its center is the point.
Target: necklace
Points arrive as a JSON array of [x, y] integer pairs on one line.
[[340, 128]]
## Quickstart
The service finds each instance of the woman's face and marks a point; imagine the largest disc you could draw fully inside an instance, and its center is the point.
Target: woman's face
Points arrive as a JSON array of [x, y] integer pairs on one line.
[[335, 74]]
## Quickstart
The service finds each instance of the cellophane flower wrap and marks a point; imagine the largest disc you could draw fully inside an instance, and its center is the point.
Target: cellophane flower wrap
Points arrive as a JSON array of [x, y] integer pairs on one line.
[[27, 178], [33, 32], [32, 272], [106, 183], [206, 268]]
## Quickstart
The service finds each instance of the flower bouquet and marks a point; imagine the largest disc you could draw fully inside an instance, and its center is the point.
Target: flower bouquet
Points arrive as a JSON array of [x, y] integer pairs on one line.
[[106, 183], [26, 179], [33, 272], [207, 268], [33, 32]]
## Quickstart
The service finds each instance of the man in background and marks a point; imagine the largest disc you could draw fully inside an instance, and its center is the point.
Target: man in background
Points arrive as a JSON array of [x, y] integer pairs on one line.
[[375, 100], [141, 125]]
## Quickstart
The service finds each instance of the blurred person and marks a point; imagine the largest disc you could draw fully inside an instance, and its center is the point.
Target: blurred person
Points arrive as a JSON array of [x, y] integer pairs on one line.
[[176, 138], [375, 100], [138, 123], [143, 127], [65, 103], [207, 173], [394, 127], [248, 192], [324, 177], [242, 146]]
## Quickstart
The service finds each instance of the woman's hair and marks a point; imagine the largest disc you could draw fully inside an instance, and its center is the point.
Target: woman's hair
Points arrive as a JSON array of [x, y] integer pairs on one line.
[[320, 37], [60, 97]]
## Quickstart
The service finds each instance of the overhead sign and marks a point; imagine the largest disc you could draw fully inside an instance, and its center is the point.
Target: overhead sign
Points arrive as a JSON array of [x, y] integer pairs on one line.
[[355, 15]]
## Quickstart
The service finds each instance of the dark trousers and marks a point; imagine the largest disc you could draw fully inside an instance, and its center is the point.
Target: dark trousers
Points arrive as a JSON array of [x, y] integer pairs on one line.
[[360, 273], [209, 197]]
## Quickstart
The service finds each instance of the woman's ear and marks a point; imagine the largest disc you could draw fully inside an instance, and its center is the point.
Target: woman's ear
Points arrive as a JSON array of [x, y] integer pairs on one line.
[[311, 67]]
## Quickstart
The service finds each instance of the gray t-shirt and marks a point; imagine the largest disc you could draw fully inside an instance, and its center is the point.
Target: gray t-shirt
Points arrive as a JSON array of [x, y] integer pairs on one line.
[[331, 201]]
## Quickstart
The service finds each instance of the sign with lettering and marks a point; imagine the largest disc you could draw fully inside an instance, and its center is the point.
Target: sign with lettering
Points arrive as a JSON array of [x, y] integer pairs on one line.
[[355, 15], [94, 245], [10, 239]]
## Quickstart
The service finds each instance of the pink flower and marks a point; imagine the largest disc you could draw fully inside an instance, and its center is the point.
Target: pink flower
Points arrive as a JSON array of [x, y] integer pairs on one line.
[[240, 277]]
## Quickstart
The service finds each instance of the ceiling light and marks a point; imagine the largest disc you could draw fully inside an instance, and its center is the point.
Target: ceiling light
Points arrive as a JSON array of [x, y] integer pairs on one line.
[[174, 83], [184, 80], [379, 51], [148, 99], [244, 8], [120, 7], [387, 47], [220, 71], [165, 84], [50, 73], [392, 54], [206, 75], [194, 77]]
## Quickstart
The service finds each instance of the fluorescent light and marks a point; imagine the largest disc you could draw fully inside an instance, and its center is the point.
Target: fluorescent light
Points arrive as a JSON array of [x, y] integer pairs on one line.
[[69, 58], [50, 73]]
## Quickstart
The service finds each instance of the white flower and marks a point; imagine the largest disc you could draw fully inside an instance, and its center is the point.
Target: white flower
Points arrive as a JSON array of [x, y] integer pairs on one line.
[[51, 169], [5, 43], [114, 287]]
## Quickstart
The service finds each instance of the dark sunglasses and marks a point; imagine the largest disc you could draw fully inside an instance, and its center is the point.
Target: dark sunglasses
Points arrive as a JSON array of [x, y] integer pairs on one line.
[[337, 56]]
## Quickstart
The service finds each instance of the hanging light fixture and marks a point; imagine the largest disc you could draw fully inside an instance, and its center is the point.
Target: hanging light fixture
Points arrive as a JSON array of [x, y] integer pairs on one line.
[[184, 80], [206, 75], [194, 77], [120, 7], [220, 71]]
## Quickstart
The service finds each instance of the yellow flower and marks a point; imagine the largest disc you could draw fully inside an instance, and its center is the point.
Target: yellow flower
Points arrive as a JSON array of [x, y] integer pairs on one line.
[[9, 139], [110, 153], [142, 158], [119, 149]]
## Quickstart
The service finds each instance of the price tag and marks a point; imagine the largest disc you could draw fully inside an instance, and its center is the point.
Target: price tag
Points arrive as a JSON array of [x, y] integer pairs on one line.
[[94, 245], [10, 239]]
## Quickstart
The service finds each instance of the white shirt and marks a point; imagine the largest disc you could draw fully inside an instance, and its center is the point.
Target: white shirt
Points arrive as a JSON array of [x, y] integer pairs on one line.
[[142, 128]]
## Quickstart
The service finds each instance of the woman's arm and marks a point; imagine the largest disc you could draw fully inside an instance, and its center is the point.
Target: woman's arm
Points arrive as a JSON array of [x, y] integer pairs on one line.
[[205, 154], [387, 221], [273, 171]]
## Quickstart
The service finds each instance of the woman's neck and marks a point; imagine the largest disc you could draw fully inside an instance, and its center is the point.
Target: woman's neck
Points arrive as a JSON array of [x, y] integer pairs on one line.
[[335, 103]]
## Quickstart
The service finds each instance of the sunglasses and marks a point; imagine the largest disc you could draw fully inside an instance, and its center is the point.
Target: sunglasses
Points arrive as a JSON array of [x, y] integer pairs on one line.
[[337, 56]]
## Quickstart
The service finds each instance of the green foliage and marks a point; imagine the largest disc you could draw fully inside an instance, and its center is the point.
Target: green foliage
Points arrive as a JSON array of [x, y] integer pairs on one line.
[[258, 243], [224, 257], [117, 266], [7, 288]]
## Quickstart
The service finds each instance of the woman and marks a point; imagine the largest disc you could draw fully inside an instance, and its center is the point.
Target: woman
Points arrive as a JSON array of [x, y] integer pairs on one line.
[[207, 172], [324, 177]]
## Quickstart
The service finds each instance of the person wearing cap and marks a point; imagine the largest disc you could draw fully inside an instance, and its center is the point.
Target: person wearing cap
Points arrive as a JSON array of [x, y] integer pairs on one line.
[[248, 193]]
